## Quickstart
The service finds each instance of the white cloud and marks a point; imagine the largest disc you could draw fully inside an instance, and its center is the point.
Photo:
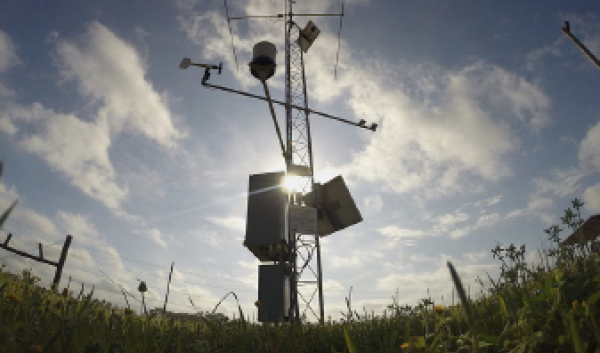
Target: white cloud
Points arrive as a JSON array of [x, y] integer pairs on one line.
[[332, 285], [589, 149], [562, 182], [450, 219], [475, 256], [8, 53], [26, 216], [234, 223], [396, 233], [460, 232], [187, 4], [59, 142], [80, 226], [353, 259], [487, 220], [108, 71], [484, 221], [438, 282], [374, 202], [441, 131], [489, 201], [455, 225], [591, 198], [31, 228], [537, 206], [534, 58], [209, 237], [155, 235], [539, 203], [434, 148]]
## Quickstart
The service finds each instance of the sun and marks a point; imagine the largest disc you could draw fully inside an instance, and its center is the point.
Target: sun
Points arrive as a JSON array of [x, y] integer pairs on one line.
[[294, 183]]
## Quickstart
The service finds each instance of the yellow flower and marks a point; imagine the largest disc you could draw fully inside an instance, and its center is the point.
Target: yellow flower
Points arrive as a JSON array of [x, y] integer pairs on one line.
[[438, 308], [404, 345], [14, 297], [575, 304], [37, 348], [257, 303]]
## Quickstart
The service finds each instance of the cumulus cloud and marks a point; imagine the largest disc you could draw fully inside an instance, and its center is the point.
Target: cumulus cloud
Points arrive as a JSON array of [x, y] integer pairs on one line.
[[397, 233], [8, 53], [8, 58], [234, 223], [589, 149], [454, 224], [108, 70], [110, 74], [155, 235], [438, 281], [591, 198], [450, 219], [540, 203], [31, 227], [374, 202], [441, 131], [561, 183], [489, 201], [209, 237], [435, 149], [58, 141], [356, 258]]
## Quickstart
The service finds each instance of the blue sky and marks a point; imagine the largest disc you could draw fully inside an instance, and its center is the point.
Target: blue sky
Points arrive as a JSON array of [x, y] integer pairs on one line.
[[489, 126]]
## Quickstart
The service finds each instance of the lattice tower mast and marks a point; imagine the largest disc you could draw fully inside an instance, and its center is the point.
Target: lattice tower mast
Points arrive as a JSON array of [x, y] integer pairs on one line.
[[306, 280]]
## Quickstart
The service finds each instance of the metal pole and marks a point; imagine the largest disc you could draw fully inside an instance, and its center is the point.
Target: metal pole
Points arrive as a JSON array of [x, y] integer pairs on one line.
[[307, 110], [567, 30]]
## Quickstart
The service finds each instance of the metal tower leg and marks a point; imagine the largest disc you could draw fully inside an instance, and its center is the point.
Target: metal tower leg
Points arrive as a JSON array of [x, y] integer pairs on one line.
[[299, 147]]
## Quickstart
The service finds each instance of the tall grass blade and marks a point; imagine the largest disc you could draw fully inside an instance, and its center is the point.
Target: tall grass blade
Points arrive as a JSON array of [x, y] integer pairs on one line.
[[593, 299], [466, 306], [349, 343], [503, 307], [575, 334], [7, 213]]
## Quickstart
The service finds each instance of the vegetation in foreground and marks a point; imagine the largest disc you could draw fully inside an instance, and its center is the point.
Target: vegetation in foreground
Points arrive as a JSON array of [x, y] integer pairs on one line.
[[551, 307]]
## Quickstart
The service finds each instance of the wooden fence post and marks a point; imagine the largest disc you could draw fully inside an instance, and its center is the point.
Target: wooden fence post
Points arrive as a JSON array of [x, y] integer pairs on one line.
[[61, 262]]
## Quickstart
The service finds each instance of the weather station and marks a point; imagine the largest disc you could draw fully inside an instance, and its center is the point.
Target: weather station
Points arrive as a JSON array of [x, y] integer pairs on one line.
[[287, 211]]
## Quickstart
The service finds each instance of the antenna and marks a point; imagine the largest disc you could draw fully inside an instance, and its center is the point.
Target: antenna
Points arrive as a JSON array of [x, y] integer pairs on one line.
[[337, 55], [237, 66]]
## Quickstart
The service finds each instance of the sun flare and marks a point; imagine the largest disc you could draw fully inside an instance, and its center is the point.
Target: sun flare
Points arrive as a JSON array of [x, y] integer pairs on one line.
[[294, 183]]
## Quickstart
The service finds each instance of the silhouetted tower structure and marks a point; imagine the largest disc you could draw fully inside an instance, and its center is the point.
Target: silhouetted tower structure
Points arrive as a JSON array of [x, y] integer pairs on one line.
[[289, 237]]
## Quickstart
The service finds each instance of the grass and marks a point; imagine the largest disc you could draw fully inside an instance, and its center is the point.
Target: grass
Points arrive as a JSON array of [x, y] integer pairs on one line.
[[551, 307]]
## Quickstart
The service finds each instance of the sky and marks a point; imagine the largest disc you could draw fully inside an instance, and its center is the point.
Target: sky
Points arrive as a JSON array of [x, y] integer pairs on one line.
[[489, 125]]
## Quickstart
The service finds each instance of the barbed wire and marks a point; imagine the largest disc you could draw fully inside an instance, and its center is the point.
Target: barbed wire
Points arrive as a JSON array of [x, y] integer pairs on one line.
[[185, 272]]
